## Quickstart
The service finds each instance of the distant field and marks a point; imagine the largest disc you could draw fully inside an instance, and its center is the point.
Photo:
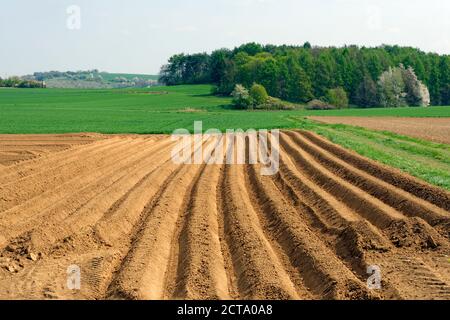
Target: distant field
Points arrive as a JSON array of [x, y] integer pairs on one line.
[[411, 112], [111, 76], [155, 110], [433, 129]]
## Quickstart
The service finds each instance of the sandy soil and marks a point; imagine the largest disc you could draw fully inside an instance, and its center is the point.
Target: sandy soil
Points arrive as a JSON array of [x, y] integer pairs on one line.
[[16, 148], [141, 227], [434, 129]]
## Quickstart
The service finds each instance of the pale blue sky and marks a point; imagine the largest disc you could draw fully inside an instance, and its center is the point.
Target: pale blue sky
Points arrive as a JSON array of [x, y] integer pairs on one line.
[[137, 36]]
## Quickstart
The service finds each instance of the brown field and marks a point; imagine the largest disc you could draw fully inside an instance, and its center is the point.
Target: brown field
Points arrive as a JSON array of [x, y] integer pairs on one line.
[[16, 148], [141, 227], [434, 129]]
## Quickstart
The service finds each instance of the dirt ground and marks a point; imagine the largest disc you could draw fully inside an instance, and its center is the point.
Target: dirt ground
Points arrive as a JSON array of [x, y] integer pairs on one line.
[[434, 129], [16, 148], [141, 227]]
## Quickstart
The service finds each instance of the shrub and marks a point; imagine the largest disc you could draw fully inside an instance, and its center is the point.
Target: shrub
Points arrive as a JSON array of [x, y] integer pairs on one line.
[[258, 94], [317, 104], [241, 97], [257, 98], [16, 82], [275, 104], [337, 97], [215, 90]]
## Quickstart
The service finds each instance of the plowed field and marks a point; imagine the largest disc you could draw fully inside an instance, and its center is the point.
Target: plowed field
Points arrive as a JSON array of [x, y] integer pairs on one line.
[[141, 227], [434, 129], [16, 148]]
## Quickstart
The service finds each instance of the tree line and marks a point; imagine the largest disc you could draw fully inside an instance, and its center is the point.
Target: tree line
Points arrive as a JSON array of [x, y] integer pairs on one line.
[[16, 82], [368, 77]]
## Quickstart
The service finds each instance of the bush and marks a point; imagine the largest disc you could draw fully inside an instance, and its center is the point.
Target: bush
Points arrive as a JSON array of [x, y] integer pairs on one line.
[[275, 104], [317, 104], [241, 97], [214, 90], [337, 97], [16, 82], [259, 95]]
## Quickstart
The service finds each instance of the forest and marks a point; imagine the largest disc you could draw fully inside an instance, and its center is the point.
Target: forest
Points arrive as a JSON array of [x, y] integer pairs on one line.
[[369, 77]]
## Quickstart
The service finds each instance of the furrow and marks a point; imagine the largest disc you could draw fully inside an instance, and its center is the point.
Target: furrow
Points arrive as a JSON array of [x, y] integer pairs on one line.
[[54, 230], [351, 238], [260, 274], [402, 201], [323, 209], [34, 185], [141, 226], [332, 213], [175, 266], [357, 243], [368, 207], [322, 272], [420, 189], [124, 215], [201, 270], [23, 169], [99, 250], [416, 279], [143, 273], [232, 277], [52, 196], [76, 196], [400, 230]]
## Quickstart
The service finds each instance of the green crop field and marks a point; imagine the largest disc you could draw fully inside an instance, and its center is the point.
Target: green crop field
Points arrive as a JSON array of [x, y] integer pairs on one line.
[[154, 110], [164, 109]]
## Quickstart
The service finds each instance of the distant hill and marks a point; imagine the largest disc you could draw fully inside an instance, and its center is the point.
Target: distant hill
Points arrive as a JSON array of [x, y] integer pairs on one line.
[[111, 76], [93, 79]]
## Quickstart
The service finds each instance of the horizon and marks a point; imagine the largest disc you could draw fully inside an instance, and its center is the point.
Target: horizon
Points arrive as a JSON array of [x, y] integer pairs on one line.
[[209, 52], [139, 38]]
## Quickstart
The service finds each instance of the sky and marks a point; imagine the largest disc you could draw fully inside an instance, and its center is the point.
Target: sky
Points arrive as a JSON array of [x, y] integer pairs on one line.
[[138, 36]]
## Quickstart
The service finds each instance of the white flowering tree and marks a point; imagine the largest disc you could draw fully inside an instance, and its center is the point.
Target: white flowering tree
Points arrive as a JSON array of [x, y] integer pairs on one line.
[[417, 93], [399, 87], [391, 88], [241, 97]]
